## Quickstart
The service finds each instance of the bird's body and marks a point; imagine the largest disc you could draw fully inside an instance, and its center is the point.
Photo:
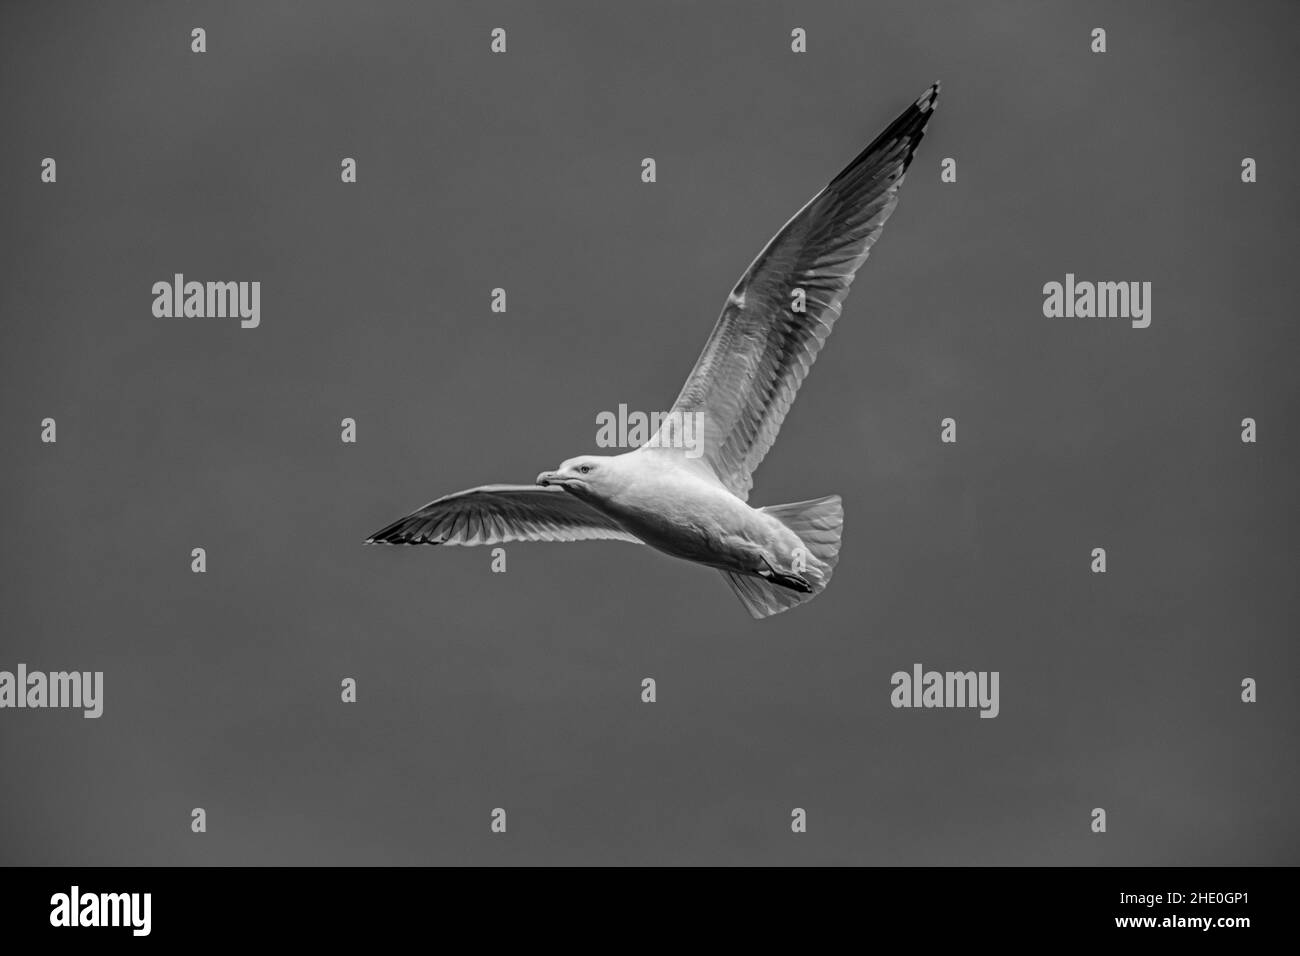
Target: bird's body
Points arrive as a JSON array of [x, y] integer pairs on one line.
[[686, 512], [771, 329]]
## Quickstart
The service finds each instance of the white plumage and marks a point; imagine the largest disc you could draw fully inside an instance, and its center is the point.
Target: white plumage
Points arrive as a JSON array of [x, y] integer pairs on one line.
[[740, 390]]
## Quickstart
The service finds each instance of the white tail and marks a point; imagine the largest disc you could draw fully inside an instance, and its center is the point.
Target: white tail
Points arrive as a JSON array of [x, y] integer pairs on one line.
[[818, 523]]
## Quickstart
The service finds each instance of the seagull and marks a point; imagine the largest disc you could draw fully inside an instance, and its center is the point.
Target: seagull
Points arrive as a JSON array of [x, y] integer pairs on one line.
[[690, 500]]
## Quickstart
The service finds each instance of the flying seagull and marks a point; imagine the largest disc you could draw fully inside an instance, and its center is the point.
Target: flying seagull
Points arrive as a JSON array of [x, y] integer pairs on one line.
[[694, 506]]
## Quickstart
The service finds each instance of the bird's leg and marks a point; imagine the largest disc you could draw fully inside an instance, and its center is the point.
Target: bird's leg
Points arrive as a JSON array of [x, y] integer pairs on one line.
[[787, 579]]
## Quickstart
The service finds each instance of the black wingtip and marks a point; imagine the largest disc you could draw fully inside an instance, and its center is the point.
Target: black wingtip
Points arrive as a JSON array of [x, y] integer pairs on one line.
[[930, 98], [398, 533], [388, 535], [898, 141]]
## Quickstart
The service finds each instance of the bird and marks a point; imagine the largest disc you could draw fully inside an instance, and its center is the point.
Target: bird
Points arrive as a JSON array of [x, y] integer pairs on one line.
[[690, 501]]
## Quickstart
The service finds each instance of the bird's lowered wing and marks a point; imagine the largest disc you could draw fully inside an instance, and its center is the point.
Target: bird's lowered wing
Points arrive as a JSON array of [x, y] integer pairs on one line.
[[496, 514], [762, 348]]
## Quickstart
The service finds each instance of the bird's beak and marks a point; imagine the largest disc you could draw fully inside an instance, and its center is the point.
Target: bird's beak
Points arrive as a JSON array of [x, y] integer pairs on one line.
[[548, 478]]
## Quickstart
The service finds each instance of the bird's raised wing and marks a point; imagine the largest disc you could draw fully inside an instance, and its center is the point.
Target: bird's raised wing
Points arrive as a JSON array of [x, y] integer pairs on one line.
[[496, 514], [762, 347]]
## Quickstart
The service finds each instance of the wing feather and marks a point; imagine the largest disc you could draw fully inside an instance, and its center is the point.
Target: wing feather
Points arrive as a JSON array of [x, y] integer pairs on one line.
[[761, 350], [499, 514]]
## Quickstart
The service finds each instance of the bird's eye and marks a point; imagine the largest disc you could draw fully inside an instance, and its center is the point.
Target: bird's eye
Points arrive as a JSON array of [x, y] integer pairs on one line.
[[584, 469]]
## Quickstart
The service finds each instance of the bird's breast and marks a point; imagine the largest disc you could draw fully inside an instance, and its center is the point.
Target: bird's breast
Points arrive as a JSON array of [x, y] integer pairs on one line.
[[687, 518]]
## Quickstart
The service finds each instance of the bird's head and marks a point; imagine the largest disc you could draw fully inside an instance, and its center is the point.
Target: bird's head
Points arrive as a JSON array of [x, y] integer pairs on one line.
[[587, 476]]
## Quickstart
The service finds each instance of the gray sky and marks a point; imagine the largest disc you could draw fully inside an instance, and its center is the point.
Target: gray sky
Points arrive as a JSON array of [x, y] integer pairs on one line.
[[522, 690]]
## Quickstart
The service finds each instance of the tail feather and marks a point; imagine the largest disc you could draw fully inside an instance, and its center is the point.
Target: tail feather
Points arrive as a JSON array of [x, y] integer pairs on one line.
[[819, 524]]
